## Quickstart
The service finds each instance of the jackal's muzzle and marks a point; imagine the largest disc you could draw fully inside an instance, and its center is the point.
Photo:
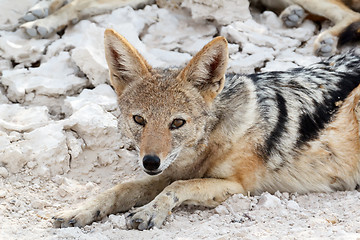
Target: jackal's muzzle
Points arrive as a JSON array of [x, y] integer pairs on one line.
[[151, 164]]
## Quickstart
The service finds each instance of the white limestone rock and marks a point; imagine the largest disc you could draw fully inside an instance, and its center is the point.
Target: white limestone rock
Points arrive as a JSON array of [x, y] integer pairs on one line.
[[88, 53], [292, 205], [98, 128], [277, 65], [48, 148], [269, 201], [224, 12], [53, 78], [186, 35], [244, 63], [12, 157], [44, 148], [102, 95], [12, 11], [14, 117], [75, 144], [18, 47]]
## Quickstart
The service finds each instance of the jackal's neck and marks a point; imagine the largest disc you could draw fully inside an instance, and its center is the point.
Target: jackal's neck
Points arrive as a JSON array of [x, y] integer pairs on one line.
[[236, 106]]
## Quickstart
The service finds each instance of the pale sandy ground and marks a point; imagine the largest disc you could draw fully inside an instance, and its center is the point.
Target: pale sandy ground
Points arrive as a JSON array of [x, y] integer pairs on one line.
[[59, 141]]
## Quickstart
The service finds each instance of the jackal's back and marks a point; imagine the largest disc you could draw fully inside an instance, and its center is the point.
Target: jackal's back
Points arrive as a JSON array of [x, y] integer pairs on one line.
[[294, 111], [298, 104]]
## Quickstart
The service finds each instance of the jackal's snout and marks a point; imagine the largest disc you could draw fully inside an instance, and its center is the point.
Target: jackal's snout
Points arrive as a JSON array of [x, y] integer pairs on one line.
[[151, 164]]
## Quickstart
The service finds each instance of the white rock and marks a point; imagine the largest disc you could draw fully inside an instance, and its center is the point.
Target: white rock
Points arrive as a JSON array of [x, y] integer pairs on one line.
[[38, 204], [97, 127], [286, 195], [4, 172], [268, 201], [58, 179], [243, 63], [15, 136], [180, 25], [92, 65], [107, 157], [87, 40], [5, 64], [12, 10], [291, 55], [17, 118], [117, 221], [62, 192], [4, 141], [278, 66], [292, 205], [138, 19], [224, 12], [47, 147], [16, 46], [31, 164], [89, 55], [170, 58], [75, 144], [90, 185], [233, 48], [53, 78], [89, 51], [3, 193], [13, 157], [221, 210], [102, 95], [271, 20], [260, 35]]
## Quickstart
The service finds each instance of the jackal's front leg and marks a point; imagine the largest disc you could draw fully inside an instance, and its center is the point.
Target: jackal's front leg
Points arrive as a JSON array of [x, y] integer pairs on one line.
[[206, 192], [120, 198]]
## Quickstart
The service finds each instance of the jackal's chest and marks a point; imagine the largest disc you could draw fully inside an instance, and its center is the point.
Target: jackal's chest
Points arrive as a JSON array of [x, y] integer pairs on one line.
[[237, 161]]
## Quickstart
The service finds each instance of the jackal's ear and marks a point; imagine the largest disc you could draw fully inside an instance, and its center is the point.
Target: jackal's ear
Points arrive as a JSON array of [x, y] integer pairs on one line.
[[206, 70], [125, 62]]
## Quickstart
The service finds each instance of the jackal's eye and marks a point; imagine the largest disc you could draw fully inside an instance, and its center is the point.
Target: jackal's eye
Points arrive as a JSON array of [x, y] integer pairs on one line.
[[177, 123], [139, 120]]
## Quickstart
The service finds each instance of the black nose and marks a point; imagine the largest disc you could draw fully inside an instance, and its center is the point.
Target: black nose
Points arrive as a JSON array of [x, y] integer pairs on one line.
[[151, 162]]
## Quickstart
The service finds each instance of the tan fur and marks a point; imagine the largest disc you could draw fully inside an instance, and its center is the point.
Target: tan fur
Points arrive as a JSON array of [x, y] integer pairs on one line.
[[153, 135]]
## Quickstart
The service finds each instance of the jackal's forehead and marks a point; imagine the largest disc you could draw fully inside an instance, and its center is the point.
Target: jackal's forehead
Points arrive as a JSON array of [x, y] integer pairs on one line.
[[161, 93]]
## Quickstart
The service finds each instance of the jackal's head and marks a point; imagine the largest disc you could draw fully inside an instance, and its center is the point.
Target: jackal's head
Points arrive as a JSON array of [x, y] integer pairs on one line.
[[166, 111]]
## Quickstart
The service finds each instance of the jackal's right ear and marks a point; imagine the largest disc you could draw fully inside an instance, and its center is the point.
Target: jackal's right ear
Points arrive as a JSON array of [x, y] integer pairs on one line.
[[125, 62], [206, 70]]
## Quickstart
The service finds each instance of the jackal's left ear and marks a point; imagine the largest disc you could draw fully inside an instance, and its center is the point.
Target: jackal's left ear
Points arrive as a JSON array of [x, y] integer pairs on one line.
[[125, 63], [206, 70]]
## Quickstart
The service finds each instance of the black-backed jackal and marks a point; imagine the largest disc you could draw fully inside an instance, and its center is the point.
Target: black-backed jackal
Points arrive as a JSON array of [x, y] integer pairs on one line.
[[203, 138]]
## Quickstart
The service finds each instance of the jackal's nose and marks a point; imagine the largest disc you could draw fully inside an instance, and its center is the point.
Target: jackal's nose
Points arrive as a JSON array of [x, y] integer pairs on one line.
[[151, 162]]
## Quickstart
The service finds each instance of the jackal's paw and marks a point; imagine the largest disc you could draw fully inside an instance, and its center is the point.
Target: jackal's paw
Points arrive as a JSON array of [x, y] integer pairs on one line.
[[75, 218], [38, 28], [293, 16], [325, 45], [39, 10], [146, 217], [42, 9]]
